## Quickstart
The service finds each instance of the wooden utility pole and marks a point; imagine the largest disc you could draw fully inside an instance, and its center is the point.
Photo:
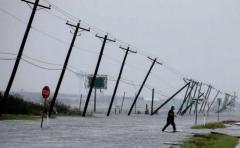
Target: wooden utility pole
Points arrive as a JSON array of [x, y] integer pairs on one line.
[[214, 99], [205, 98], [210, 89], [187, 95], [77, 27], [20, 52], [143, 83], [164, 103], [105, 38], [127, 50]]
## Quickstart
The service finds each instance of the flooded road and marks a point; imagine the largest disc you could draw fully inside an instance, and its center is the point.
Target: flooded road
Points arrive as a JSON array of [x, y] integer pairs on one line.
[[118, 131]]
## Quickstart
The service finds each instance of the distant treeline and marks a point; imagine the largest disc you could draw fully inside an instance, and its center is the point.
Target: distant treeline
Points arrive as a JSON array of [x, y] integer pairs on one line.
[[17, 105]]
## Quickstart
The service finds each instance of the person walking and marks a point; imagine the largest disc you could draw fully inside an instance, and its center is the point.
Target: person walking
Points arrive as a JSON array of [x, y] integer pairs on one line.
[[170, 119]]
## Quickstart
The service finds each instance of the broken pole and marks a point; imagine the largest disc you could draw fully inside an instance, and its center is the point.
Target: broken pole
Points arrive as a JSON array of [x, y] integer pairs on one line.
[[77, 27], [171, 98], [127, 50], [20, 52], [105, 38], [143, 83]]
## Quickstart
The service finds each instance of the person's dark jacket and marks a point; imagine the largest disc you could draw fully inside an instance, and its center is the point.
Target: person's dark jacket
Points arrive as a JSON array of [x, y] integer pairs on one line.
[[170, 115]]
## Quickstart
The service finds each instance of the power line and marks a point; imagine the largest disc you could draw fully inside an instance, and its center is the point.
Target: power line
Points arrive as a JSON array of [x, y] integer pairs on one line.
[[140, 51], [44, 33], [111, 78], [66, 43], [95, 29], [7, 59], [42, 67]]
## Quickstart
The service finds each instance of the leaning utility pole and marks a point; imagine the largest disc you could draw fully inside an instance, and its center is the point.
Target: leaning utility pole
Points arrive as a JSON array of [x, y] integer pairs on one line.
[[205, 98], [66, 63], [164, 103], [187, 94], [105, 38], [210, 89], [145, 79], [20, 52], [196, 103], [218, 92], [127, 50], [194, 95]]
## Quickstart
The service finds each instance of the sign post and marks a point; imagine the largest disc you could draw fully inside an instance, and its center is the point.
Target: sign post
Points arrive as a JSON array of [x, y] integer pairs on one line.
[[45, 95], [219, 103]]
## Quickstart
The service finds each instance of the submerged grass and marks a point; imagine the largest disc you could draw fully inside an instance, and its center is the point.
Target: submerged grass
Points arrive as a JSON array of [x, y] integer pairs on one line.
[[210, 141], [210, 125]]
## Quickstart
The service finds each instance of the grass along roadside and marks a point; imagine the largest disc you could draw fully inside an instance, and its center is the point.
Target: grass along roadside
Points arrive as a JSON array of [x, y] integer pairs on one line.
[[210, 141], [210, 125], [19, 117], [213, 125]]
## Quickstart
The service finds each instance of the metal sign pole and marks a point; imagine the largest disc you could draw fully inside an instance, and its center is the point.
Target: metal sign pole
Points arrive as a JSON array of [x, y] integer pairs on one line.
[[44, 109]]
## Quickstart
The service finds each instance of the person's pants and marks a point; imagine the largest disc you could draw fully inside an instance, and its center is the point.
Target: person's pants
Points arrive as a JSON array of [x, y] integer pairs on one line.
[[168, 123]]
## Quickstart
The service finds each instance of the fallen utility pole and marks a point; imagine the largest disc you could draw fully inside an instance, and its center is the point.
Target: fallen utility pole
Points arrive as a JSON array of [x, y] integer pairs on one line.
[[196, 105], [77, 27], [105, 38], [218, 92], [170, 98], [20, 52], [210, 89], [205, 98], [185, 98], [127, 50], [194, 95], [186, 109], [143, 83], [191, 86], [193, 100]]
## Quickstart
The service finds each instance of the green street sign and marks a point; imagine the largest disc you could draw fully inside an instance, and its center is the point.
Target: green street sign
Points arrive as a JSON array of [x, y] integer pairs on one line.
[[100, 82]]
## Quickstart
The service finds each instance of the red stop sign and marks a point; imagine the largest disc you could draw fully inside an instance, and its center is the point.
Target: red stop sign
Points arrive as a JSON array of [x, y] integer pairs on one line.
[[45, 92]]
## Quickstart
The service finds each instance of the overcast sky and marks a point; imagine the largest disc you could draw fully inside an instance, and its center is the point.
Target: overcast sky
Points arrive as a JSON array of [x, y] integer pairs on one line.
[[196, 39]]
